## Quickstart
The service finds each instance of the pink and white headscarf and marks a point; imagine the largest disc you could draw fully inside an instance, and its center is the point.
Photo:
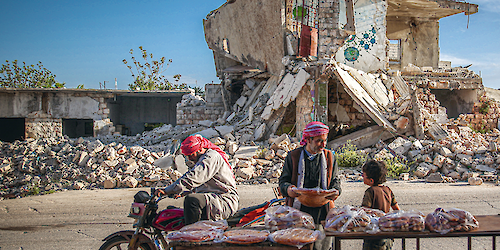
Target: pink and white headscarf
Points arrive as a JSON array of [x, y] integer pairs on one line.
[[195, 142], [313, 129]]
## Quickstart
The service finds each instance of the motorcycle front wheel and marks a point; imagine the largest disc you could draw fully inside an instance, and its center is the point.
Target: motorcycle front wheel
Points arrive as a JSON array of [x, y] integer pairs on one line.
[[120, 243]]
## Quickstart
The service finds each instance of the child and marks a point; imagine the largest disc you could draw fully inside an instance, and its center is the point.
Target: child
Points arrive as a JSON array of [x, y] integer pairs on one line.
[[379, 197]]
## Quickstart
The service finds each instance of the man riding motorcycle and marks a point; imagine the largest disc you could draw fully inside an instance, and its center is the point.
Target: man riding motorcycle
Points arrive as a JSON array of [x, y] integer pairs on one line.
[[209, 187]]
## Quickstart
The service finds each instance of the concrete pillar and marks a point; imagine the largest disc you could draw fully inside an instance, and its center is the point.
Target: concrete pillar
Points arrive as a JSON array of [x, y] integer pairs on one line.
[[304, 108]]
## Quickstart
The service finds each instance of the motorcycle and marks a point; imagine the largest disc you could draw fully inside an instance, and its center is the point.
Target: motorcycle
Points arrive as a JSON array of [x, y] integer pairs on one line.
[[151, 226]]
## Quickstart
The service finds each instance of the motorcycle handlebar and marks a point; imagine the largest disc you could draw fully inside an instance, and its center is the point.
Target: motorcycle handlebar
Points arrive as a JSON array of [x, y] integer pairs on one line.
[[161, 197]]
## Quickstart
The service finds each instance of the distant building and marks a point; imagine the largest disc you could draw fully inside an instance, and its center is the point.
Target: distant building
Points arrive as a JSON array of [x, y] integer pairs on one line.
[[39, 113]]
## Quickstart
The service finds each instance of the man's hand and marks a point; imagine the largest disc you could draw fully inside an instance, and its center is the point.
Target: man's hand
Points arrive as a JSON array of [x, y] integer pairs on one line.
[[291, 193], [159, 192], [332, 197]]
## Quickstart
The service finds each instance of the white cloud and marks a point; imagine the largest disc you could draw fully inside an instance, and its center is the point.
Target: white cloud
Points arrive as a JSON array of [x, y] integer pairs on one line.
[[487, 61]]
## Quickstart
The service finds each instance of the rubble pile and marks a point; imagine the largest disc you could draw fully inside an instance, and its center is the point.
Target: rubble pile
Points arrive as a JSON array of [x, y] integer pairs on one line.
[[45, 165], [148, 159], [452, 152], [191, 100]]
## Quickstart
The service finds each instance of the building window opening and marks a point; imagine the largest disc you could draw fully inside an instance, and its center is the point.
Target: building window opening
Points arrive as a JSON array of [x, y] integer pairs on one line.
[[394, 52], [12, 129], [75, 128]]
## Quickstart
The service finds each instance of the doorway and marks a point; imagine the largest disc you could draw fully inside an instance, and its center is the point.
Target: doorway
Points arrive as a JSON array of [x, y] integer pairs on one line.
[[12, 129], [75, 128]]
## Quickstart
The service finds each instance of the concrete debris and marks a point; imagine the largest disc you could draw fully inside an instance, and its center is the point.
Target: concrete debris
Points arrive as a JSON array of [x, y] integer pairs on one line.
[[191, 100], [152, 158], [475, 181], [440, 150]]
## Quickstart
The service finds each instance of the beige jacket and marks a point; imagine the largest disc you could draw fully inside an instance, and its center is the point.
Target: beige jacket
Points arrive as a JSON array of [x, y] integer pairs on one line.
[[212, 176]]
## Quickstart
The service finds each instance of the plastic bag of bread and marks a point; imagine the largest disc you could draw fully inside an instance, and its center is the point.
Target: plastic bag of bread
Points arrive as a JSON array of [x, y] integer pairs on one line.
[[297, 237], [206, 225], [445, 220], [402, 221], [195, 236], [372, 212], [281, 217], [244, 236], [347, 219]]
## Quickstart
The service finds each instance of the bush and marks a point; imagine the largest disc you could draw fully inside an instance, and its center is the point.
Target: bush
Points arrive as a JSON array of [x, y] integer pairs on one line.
[[348, 156], [396, 166]]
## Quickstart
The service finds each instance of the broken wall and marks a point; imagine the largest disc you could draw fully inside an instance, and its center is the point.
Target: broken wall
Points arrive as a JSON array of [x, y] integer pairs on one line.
[[366, 50], [193, 115], [342, 109], [484, 116], [249, 32], [44, 111], [419, 41], [211, 109], [41, 125], [456, 101]]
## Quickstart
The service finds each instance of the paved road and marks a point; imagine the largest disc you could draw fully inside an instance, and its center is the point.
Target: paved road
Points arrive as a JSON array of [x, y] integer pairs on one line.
[[81, 219]]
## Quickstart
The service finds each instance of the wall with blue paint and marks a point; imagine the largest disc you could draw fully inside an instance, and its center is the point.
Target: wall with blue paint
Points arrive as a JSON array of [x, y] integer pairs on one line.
[[366, 50]]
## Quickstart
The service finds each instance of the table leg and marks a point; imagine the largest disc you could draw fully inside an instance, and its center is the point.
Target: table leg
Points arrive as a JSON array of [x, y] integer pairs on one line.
[[418, 243], [494, 246], [469, 243], [337, 243], [403, 243]]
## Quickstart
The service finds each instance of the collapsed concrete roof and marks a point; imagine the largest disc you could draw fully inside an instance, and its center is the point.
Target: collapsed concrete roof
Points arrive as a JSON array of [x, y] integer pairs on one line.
[[428, 9]]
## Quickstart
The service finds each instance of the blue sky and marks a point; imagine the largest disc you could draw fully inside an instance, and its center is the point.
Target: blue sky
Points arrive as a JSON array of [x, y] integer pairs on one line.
[[476, 45], [84, 42]]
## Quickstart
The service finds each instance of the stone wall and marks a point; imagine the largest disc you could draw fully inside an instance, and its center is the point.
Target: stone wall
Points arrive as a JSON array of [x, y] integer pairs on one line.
[[42, 125], [213, 95], [193, 115], [330, 37], [192, 112], [342, 108], [484, 117]]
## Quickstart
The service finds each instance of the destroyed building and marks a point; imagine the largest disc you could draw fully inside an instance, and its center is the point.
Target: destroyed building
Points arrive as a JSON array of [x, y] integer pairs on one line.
[[342, 62], [370, 69], [45, 113]]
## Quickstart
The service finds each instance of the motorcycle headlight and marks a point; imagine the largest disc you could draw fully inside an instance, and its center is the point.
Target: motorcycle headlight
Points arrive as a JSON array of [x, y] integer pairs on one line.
[[135, 210]]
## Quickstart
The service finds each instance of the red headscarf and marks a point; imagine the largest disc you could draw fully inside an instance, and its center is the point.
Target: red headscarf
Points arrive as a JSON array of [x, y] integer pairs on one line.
[[314, 129], [196, 142]]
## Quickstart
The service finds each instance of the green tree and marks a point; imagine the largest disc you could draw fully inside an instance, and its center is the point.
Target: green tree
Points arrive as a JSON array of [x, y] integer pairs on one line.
[[199, 91], [149, 75], [13, 75]]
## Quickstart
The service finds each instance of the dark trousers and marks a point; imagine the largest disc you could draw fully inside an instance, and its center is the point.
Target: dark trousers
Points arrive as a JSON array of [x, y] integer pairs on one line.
[[195, 208], [319, 215], [380, 244]]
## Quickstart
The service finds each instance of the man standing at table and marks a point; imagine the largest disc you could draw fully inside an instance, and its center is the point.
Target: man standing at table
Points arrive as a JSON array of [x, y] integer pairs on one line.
[[311, 166]]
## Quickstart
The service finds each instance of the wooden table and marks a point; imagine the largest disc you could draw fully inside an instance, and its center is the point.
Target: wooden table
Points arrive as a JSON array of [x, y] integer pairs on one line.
[[489, 225], [267, 245]]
